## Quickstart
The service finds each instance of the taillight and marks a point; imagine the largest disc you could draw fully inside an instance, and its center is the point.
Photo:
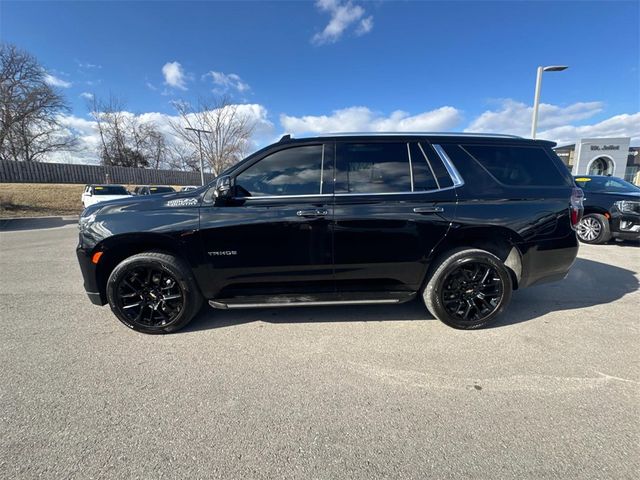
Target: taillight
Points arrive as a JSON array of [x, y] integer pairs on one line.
[[576, 207]]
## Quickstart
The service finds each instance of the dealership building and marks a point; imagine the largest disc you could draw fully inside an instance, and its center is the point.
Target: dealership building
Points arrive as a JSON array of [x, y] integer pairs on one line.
[[602, 156]]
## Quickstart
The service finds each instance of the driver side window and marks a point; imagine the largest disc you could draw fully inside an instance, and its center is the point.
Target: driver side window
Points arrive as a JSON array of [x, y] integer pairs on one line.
[[293, 171]]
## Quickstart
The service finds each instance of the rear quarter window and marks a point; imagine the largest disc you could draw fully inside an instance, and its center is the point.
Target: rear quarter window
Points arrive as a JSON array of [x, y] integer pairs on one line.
[[518, 166]]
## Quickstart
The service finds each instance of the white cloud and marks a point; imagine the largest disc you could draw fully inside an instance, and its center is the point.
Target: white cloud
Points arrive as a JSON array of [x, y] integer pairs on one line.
[[55, 81], [174, 75], [343, 15], [87, 95], [555, 122], [365, 26], [88, 65], [225, 82], [89, 139], [515, 117], [624, 125], [362, 119]]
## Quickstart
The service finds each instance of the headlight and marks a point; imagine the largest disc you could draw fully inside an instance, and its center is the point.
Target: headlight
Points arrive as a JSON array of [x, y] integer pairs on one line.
[[628, 206]]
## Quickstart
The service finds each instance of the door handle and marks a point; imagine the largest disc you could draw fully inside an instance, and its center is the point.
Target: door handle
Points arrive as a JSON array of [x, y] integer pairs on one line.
[[316, 212], [428, 210]]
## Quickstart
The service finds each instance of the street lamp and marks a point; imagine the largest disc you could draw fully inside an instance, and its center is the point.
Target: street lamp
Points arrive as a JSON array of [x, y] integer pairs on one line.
[[199, 131], [536, 99]]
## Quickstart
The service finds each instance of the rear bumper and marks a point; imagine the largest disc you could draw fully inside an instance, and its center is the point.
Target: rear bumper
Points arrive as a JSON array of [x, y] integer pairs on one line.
[[547, 261]]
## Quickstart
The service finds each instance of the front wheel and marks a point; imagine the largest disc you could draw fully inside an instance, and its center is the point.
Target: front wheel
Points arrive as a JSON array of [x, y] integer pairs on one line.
[[594, 229], [468, 289], [153, 292]]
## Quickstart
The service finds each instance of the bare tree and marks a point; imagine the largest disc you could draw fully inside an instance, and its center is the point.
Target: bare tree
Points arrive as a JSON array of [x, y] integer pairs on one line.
[[125, 140], [230, 129], [29, 109]]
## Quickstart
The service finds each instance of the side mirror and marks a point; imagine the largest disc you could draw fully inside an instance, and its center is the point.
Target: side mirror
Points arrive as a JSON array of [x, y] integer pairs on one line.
[[223, 187]]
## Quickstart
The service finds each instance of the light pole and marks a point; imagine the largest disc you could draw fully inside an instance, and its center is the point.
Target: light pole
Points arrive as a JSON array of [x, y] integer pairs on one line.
[[199, 131], [536, 98]]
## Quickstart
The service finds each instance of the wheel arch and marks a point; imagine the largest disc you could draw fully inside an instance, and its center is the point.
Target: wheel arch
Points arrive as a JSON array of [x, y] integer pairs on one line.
[[119, 247], [500, 241]]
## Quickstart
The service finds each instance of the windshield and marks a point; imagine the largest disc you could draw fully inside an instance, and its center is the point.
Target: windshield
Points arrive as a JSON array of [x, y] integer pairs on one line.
[[606, 184], [161, 189], [109, 190]]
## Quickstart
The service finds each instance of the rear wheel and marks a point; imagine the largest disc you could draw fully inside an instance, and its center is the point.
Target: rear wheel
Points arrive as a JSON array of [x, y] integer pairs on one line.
[[153, 292], [594, 229], [468, 289]]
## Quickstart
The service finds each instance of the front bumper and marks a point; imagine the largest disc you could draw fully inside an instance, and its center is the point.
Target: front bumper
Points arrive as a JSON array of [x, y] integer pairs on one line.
[[89, 275], [625, 226]]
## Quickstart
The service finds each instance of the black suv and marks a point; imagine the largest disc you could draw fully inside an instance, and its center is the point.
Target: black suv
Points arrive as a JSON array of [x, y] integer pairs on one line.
[[611, 209], [458, 220]]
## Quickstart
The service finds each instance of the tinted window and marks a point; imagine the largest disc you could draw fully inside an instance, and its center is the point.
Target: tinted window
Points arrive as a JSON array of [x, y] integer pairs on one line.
[[606, 184], [444, 179], [161, 189], [372, 168], [294, 171], [517, 166], [109, 190], [423, 178]]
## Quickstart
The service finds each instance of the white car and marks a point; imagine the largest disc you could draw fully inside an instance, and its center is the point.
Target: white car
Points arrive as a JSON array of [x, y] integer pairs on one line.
[[101, 193]]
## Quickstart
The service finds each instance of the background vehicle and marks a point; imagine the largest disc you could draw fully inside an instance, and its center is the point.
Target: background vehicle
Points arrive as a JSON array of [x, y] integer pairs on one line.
[[188, 188], [458, 220], [152, 189], [611, 209], [93, 194]]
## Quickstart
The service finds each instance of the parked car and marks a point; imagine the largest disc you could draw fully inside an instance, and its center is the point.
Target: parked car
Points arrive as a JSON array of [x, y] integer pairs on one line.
[[457, 220], [188, 188], [152, 189], [611, 209], [93, 194]]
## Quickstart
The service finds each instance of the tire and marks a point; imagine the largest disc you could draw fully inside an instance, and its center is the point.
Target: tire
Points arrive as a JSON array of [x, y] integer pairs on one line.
[[164, 287], [468, 288], [594, 229]]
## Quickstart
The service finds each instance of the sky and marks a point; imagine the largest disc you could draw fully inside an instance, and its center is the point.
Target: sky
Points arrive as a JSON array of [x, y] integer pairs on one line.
[[334, 65]]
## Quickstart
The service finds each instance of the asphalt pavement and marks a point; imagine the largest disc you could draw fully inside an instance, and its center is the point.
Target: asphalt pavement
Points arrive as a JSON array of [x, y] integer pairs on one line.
[[366, 392]]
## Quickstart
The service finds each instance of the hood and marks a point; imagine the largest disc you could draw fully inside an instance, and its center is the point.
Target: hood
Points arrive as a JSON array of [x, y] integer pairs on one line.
[[189, 199]]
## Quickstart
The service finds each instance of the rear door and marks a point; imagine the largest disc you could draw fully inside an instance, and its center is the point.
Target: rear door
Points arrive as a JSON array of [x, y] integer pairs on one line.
[[394, 202]]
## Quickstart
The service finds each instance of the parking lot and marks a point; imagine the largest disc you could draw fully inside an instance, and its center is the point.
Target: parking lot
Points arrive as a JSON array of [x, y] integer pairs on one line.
[[551, 391]]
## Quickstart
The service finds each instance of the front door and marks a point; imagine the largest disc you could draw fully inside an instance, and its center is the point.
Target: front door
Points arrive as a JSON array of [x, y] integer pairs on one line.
[[392, 207], [274, 236]]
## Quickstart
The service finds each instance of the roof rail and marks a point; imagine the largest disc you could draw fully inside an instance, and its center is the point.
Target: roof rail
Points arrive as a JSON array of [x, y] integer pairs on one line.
[[390, 134]]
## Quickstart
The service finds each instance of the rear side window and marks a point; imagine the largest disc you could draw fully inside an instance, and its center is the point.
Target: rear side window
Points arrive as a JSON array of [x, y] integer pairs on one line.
[[517, 166], [372, 168], [423, 177]]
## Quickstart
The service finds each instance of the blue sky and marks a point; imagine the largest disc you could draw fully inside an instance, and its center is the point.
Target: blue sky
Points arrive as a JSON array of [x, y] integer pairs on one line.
[[334, 64]]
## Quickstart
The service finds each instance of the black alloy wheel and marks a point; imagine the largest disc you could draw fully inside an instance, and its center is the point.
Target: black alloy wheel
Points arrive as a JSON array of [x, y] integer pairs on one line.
[[153, 292], [472, 292], [150, 297], [468, 288]]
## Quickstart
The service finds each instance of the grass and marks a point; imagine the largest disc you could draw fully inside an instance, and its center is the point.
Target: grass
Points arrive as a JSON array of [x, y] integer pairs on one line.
[[39, 199], [42, 199]]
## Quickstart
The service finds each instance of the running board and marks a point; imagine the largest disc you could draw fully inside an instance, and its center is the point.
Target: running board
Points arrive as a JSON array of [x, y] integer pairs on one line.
[[304, 301]]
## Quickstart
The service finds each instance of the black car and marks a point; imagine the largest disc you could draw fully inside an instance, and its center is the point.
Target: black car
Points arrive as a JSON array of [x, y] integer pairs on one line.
[[611, 209], [458, 220]]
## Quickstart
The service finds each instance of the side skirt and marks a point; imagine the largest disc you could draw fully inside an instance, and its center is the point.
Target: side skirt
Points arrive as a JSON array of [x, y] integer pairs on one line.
[[297, 300]]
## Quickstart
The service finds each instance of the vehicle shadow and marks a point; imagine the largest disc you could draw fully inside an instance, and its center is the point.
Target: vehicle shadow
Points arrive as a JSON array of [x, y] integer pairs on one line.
[[589, 283]]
